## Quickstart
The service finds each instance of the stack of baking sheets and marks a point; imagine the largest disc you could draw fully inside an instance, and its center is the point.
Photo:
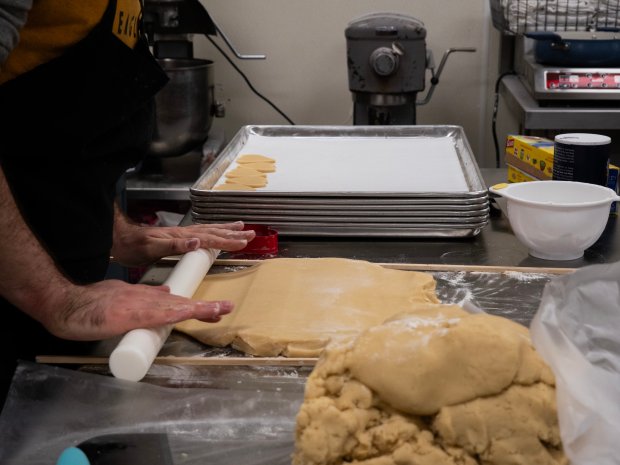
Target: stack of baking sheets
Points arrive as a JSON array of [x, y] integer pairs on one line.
[[387, 181]]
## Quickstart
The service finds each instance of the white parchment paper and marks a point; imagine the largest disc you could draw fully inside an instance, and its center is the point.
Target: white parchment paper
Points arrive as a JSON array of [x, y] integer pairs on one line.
[[577, 332], [359, 164]]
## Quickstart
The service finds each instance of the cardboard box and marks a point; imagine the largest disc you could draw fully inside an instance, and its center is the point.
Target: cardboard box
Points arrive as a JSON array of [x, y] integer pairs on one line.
[[516, 175], [527, 168], [537, 152]]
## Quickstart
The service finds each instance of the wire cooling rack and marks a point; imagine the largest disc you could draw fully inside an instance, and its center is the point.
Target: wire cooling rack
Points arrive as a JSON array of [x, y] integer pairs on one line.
[[521, 16]]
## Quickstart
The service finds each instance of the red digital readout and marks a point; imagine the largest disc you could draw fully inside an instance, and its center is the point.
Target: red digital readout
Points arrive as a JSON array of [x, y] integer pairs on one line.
[[576, 80]]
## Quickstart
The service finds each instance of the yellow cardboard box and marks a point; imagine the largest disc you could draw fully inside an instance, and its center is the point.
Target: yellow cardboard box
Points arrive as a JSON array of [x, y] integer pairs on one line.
[[535, 151], [527, 168], [516, 175]]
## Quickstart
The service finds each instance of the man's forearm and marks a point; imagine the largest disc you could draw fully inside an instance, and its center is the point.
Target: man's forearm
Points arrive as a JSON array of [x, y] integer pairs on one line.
[[29, 279]]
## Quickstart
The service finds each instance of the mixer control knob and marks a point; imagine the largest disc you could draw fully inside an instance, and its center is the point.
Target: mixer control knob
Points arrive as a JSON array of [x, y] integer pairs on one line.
[[385, 60]]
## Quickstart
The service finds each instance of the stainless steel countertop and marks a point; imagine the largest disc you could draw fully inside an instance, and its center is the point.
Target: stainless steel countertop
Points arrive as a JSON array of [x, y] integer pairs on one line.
[[496, 245]]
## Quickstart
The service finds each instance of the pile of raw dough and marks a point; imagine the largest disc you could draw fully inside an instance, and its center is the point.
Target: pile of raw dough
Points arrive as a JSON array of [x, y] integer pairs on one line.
[[436, 386], [248, 174]]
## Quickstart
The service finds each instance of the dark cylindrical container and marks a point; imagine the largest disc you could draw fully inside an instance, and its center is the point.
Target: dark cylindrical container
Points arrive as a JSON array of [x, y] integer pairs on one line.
[[581, 157]]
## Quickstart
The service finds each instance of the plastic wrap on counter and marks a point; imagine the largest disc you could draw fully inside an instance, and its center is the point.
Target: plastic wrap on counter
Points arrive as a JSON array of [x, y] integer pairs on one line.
[[577, 332], [510, 294], [50, 409]]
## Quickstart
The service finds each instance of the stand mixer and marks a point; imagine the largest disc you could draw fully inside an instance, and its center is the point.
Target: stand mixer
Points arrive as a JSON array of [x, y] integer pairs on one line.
[[387, 61], [185, 107], [183, 144]]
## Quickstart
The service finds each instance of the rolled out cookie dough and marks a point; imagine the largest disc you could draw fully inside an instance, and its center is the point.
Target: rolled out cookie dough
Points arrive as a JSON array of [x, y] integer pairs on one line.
[[434, 387], [295, 306], [254, 158]]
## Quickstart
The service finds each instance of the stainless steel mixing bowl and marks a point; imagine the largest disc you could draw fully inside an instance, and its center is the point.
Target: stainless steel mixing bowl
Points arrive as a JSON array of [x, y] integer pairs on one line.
[[184, 107]]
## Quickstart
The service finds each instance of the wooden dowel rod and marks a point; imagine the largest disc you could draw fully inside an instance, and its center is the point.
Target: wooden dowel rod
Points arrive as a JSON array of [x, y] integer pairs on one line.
[[203, 361]]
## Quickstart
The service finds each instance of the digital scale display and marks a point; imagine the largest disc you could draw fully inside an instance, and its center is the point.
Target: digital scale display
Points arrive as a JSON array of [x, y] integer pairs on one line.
[[582, 80]]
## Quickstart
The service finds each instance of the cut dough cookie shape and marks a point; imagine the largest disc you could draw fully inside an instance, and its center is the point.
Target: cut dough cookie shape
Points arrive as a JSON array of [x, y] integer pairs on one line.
[[261, 167], [295, 306], [250, 181], [254, 158], [436, 386], [242, 171], [232, 187], [251, 170]]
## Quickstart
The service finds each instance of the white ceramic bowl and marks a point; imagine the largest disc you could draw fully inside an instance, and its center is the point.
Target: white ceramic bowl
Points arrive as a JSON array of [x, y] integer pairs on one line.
[[557, 220]]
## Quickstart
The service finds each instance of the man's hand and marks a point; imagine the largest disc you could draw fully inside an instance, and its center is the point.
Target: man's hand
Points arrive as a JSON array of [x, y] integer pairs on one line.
[[30, 280], [109, 308], [136, 245]]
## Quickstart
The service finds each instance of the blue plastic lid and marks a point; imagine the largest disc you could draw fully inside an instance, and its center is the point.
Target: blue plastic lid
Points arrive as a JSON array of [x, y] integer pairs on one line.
[[73, 456]]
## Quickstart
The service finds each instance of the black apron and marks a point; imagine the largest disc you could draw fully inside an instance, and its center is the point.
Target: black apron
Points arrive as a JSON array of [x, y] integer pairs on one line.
[[69, 129]]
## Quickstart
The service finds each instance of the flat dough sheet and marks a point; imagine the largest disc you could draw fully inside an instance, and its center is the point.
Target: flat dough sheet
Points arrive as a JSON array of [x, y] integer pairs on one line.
[[295, 306]]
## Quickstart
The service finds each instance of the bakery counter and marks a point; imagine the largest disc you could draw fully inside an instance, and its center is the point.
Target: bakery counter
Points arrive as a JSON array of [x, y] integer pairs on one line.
[[496, 245], [493, 269], [243, 412]]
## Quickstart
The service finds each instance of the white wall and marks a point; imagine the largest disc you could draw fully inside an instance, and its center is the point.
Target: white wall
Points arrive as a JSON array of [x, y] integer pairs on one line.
[[305, 73]]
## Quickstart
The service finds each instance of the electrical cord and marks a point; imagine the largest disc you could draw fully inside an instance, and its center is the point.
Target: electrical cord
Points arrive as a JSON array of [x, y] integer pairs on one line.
[[247, 81], [494, 120]]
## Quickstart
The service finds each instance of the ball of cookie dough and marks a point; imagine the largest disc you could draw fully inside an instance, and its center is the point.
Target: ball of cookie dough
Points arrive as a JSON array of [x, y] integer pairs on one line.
[[435, 386]]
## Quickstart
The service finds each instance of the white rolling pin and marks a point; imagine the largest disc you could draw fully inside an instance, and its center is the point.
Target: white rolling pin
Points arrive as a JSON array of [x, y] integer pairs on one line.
[[134, 354]]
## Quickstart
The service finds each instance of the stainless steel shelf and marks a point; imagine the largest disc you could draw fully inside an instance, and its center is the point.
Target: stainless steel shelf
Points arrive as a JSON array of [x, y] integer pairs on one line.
[[164, 179], [170, 178], [533, 116]]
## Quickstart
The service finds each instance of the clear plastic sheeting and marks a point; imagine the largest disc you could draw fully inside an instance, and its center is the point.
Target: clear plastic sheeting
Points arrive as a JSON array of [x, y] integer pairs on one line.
[[511, 294], [577, 331], [242, 422]]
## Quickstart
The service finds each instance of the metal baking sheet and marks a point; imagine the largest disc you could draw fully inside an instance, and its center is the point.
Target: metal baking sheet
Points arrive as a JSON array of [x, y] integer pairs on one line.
[[367, 224], [372, 229], [379, 214], [338, 204], [412, 220], [392, 161]]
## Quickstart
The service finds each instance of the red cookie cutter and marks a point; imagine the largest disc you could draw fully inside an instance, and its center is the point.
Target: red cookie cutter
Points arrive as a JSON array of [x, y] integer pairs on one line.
[[265, 242]]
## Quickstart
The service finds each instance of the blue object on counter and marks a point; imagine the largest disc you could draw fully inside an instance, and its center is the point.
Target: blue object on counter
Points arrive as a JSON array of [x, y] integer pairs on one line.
[[73, 456], [120, 449]]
